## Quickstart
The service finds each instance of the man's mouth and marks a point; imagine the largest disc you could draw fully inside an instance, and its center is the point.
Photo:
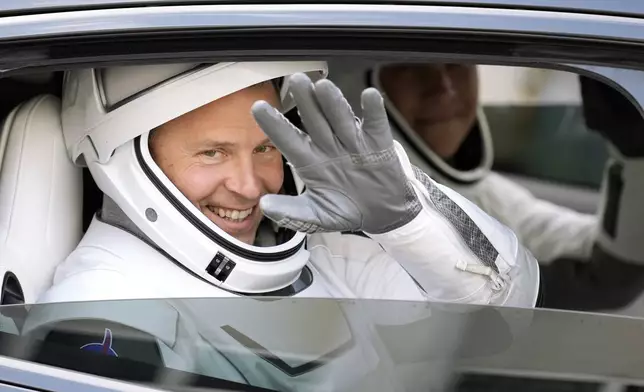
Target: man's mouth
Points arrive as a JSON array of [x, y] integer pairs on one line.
[[231, 214], [438, 115]]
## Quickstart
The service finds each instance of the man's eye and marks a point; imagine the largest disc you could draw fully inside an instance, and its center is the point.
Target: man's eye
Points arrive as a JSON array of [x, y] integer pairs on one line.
[[263, 149], [211, 153]]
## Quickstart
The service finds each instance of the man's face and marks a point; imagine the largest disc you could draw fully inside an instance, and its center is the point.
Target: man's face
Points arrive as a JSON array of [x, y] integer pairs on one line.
[[438, 101], [220, 159]]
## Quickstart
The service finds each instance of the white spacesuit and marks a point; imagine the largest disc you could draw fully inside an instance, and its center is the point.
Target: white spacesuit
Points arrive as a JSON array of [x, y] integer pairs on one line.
[[394, 233]]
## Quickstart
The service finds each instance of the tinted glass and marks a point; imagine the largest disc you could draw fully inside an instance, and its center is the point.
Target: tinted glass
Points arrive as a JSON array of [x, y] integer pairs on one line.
[[303, 344]]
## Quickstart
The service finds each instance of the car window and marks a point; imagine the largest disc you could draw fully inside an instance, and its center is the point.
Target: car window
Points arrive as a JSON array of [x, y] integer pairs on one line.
[[537, 124], [251, 344]]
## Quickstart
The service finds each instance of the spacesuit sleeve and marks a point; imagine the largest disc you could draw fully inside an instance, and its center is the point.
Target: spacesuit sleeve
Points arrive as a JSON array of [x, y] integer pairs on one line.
[[548, 230], [458, 253]]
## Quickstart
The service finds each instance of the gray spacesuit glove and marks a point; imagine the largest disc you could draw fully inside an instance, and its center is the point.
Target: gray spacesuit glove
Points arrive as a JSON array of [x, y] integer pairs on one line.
[[354, 180]]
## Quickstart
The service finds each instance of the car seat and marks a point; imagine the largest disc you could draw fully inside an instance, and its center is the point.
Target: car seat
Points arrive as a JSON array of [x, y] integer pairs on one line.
[[40, 199]]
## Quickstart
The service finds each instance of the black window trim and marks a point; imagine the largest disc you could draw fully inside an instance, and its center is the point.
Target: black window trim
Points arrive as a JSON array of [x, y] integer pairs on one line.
[[201, 33]]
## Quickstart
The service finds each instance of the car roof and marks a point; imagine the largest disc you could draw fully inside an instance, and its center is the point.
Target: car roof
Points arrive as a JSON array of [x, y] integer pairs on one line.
[[606, 7]]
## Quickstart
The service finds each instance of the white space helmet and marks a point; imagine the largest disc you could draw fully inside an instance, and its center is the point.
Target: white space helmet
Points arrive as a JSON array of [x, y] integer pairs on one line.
[[471, 163], [107, 116]]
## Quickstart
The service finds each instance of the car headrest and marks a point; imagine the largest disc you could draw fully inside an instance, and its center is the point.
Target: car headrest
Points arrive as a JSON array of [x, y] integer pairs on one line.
[[40, 196], [614, 116]]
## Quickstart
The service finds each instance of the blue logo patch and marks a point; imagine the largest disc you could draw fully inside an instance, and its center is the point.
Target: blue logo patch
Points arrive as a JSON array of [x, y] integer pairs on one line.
[[104, 347]]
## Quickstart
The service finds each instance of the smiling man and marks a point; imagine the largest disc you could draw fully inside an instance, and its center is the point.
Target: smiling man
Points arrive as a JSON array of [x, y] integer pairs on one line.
[[439, 101], [223, 164]]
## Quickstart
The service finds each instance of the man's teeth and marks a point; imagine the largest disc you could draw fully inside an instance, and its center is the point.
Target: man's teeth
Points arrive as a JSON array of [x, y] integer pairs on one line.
[[232, 214]]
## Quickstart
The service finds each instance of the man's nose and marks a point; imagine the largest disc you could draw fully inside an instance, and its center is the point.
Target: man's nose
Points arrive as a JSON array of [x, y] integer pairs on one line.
[[439, 82], [243, 180]]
